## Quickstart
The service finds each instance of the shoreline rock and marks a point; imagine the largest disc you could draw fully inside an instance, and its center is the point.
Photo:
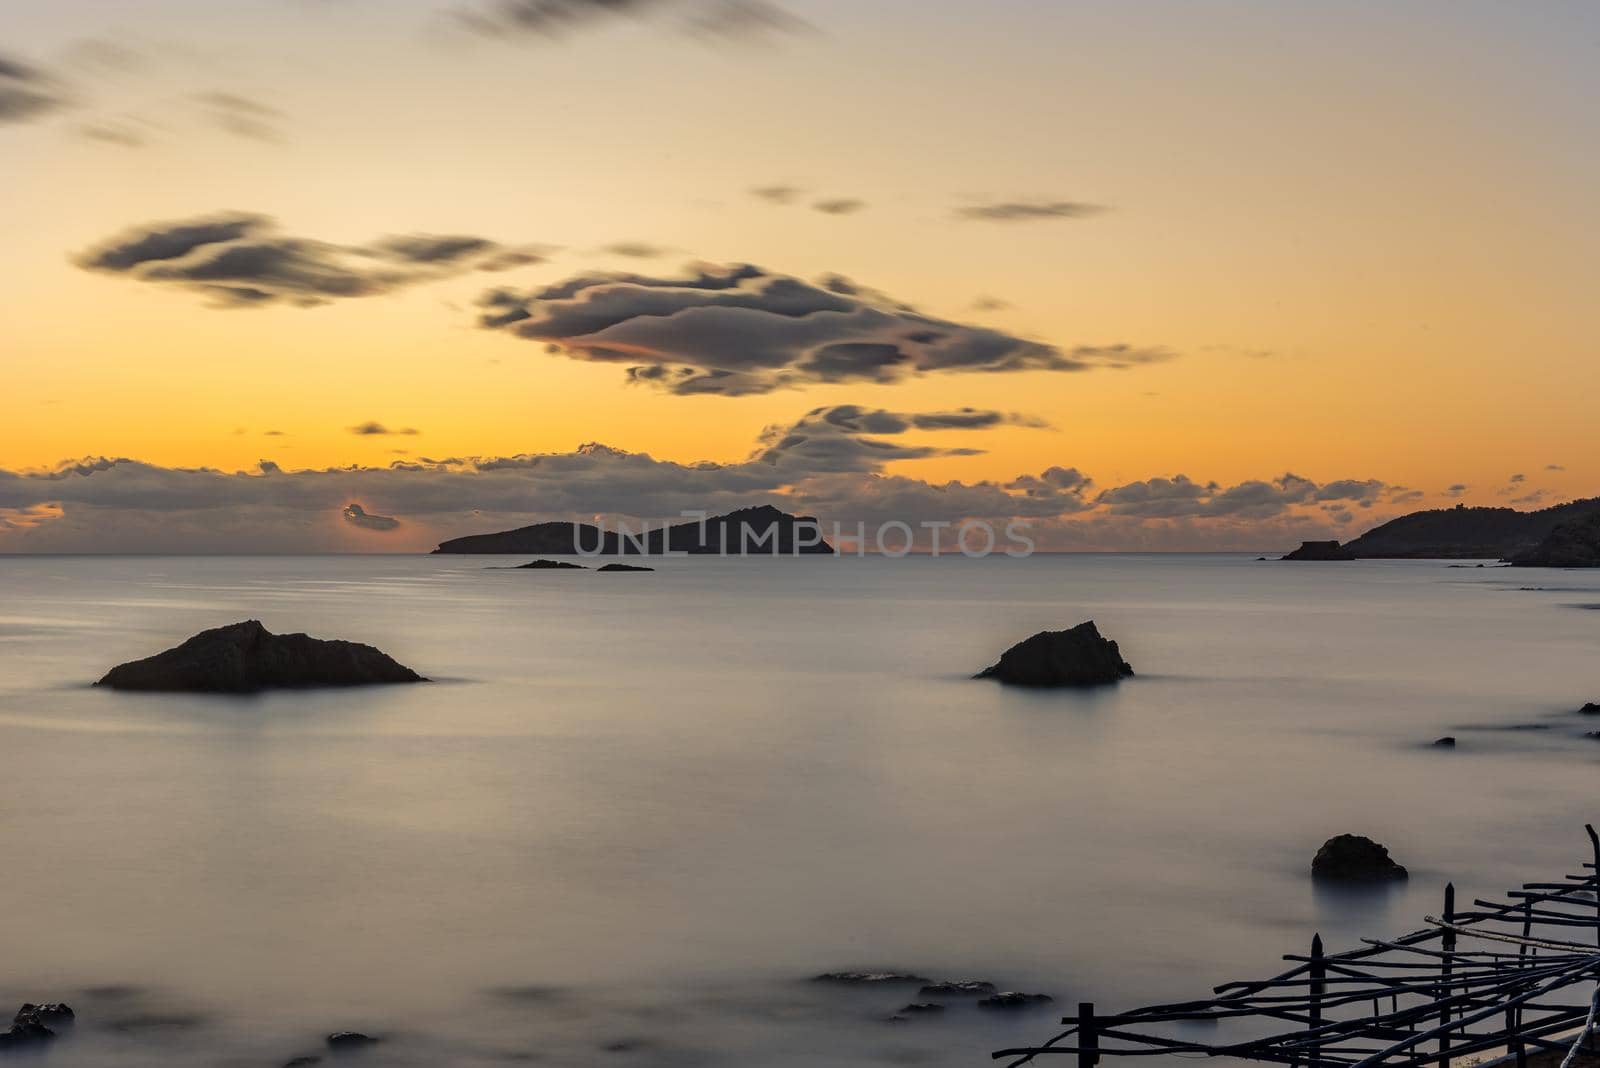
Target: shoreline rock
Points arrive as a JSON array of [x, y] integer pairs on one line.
[[247, 658], [1353, 858], [1058, 658], [1320, 550]]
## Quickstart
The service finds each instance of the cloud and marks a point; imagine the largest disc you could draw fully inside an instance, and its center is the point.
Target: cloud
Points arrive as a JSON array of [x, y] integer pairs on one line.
[[238, 259], [241, 116], [839, 206], [730, 20], [848, 437], [1515, 479], [989, 304], [636, 250], [26, 93], [373, 429], [1029, 210], [1554, 467], [112, 133], [778, 194], [835, 462], [741, 330], [357, 516], [1458, 489]]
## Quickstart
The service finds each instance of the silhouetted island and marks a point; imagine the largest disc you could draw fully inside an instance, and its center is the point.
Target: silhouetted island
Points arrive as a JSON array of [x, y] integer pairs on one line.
[[622, 567], [1320, 550], [1462, 533], [247, 658], [1572, 544], [1076, 657], [763, 531], [1353, 858], [550, 565]]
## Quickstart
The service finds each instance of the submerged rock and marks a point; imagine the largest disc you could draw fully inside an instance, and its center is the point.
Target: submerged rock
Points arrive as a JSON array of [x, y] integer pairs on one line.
[[623, 567], [550, 565], [1011, 999], [247, 658], [1447, 742], [869, 978], [1320, 550], [1076, 657], [956, 988], [1353, 858]]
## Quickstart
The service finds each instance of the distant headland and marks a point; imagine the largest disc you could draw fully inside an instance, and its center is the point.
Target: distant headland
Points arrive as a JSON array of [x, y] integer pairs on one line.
[[1462, 533], [761, 531]]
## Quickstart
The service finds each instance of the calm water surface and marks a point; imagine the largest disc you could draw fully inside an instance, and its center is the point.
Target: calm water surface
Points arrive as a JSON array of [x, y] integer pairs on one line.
[[636, 811]]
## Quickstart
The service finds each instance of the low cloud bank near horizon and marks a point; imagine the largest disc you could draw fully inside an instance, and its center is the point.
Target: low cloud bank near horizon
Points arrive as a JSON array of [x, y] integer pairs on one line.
[[833, 463], [740, 329]]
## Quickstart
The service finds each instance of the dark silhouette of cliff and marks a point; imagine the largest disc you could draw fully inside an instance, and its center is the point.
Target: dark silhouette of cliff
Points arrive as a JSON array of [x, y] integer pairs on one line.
[[763, 531], [1468, 533], [1574, 544]]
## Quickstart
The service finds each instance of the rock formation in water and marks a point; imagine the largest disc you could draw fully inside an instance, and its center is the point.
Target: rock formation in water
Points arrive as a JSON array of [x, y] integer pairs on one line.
[[343, 1040], [1574, 544], [1468, 533], [1447, 742], [870, 978], [550, 565], [957, 988], [1320, 550], [247, 658], [763, 531], [1355, 859], [1076, 657], [1590, 709], [1011, 999], [622, 567], [34, 1025]]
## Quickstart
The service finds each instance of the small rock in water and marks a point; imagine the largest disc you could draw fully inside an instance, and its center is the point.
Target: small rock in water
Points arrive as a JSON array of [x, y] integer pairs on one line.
[[1076, 657], [302, 1062], [1010, 999], [29, 1028], [1320, 550], [1354, 858], [921, 1009], [869, 978], [342, 1040], [1592, 734], [551, 565], [1590, 709], [623, 567], [51, 1014], [1447, 742], [956, 988]]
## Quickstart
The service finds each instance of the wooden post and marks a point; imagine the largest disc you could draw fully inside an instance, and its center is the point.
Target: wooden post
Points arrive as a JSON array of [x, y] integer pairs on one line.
[[1449, 942], [1594, 840], [1319, 972], [1088, 1036]]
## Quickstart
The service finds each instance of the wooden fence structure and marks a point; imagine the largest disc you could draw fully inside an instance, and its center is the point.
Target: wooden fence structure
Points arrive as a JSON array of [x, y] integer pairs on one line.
[[1504, 979]]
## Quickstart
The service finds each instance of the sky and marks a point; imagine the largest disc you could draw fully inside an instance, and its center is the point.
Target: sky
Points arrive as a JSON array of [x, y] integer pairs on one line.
[[1195, 274]]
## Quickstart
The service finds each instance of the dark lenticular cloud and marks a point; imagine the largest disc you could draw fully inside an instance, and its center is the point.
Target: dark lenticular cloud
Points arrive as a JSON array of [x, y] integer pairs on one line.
[[1029, 210], [376, 429], [26, 93], [239, 259], [740, 330], [848, 437], [357, 516]]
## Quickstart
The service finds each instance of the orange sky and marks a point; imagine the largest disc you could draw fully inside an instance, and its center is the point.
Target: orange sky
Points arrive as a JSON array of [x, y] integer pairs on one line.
[[1366, 234]]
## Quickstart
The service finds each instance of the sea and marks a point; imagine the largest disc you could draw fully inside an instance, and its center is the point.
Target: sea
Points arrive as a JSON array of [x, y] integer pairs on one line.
[[634, 814]]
